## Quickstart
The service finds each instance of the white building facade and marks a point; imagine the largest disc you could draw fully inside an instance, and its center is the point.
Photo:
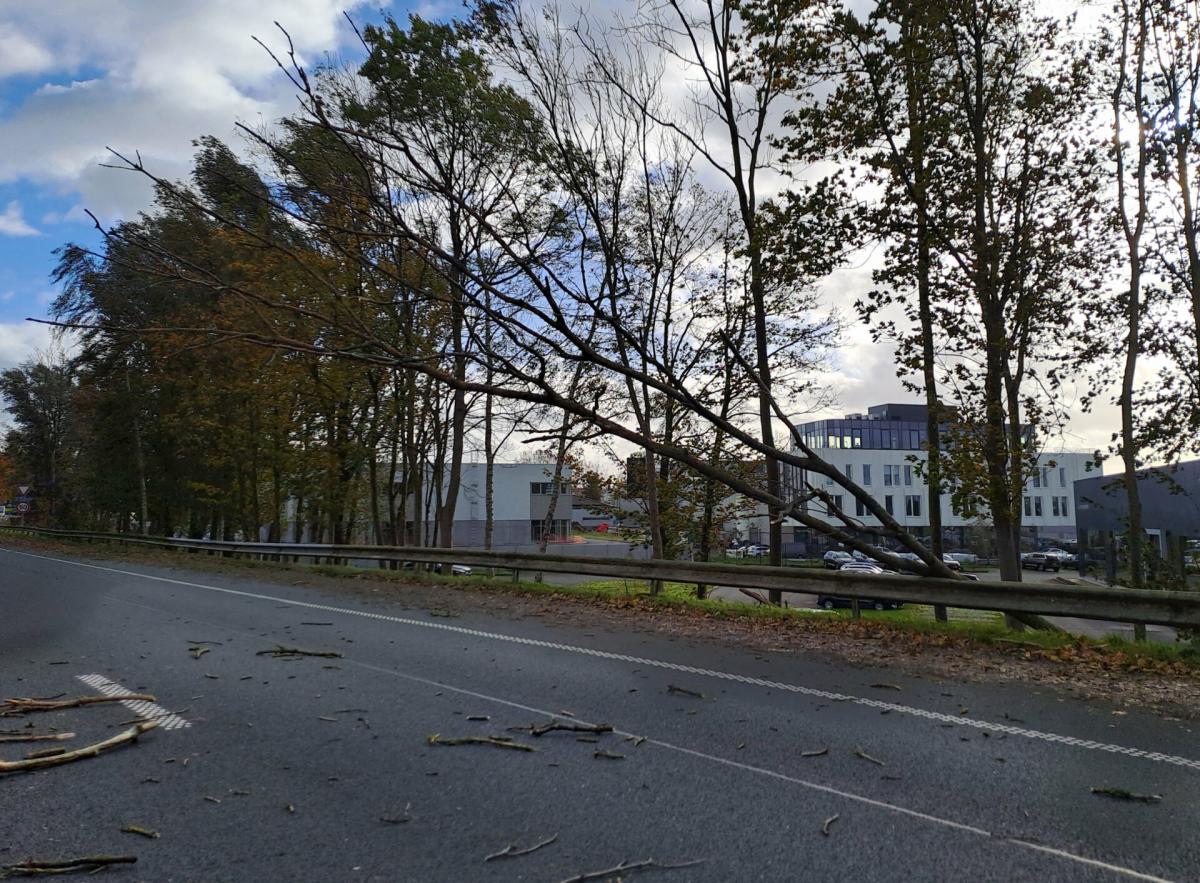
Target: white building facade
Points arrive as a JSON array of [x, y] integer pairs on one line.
[[882, 451], [521, 499]]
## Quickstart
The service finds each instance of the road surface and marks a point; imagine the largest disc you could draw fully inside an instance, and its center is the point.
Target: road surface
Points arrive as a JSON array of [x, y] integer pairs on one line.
[[321, 768]]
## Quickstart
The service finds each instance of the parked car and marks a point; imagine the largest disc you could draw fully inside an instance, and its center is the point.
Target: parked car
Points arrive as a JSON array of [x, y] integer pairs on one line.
[[1041, 561], [1065, 558], [758, 549], [834, 559], [455, 569], [953, 563], [860, 567], [829, 602], [963, 557]]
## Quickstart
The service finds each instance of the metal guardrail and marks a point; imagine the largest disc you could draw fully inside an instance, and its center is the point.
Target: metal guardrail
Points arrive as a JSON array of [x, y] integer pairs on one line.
[[1176, 609]]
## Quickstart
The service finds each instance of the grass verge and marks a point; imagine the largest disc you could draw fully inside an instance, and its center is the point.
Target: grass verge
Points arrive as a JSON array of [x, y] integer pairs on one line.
[[914, 622]]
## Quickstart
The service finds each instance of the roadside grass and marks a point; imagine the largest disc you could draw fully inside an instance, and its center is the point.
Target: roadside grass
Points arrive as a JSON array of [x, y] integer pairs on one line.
[[610, 536], [985, 627]]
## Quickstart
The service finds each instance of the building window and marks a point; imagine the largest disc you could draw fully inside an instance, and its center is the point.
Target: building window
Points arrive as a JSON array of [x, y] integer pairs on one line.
[[558, 528], [1037, 507], [891, 475], [1028, 507], [1065, 511], [866, 470], [837, 504], [1054, 506], [547, 487], [1062, 477], [912, 505], [1046, 476], [1037, 478], [856, 437], [908, 476], [885, 438], [850, 471], [860, 508], [914, 440], [887, 504]]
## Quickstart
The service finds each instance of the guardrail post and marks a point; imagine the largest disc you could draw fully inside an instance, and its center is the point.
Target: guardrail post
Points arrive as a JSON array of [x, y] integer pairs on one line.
[[855, 609], [516, 576]]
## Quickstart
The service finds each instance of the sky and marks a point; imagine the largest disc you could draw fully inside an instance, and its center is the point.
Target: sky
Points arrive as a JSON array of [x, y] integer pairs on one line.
[[79, 76]]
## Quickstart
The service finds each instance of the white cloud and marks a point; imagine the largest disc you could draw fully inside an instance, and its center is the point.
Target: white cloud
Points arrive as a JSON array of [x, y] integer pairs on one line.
[[13, 223], [21, 341], [168, 73], [19, 54]]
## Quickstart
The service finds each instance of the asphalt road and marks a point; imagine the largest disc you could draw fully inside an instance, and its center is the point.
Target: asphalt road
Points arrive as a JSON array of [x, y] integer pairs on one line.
[[286, 769]]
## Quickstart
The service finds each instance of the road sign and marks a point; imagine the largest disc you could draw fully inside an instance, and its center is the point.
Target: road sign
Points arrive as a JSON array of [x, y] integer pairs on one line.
[[23, 490], [22, 507]]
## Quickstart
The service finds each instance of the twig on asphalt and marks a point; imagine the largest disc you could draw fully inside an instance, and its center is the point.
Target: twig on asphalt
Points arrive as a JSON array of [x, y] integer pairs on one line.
[[684, 691], [399, 820], [511, 851], [1122, 794], [611, 755], [150, 717], [282, 650], [815, 752], [568, 726], [138, 829], [129, 735], [498, 741], [882, 686], [858, 752], [829, 821], [20, 706], [644, 864], [38, 737], [45, 752], [89, 864], [197, 652]]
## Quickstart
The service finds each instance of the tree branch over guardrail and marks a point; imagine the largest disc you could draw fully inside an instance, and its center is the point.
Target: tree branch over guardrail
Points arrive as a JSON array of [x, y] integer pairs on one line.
[[1175, 609]]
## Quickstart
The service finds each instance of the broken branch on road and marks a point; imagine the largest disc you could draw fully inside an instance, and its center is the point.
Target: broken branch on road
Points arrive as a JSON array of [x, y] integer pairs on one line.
[[644, 864], [129, 735], [568, 726], [38, 737], [498, 741], [86, 864], [21, 706], [1122, 794], [148, 833], [281, 650], [512, 851], [858, 752]]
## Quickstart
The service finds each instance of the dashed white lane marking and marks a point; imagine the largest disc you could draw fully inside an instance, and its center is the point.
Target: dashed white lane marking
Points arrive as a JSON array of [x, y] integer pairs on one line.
[[940, 717], [793, 780], [167, 720]]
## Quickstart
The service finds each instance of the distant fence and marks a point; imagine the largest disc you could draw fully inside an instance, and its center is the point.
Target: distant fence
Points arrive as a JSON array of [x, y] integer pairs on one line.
[[1176, 609]]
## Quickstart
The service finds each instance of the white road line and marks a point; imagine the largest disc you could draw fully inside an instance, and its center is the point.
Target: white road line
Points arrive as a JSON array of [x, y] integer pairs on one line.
[[167, 720], [784, 777], [940, 717]]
